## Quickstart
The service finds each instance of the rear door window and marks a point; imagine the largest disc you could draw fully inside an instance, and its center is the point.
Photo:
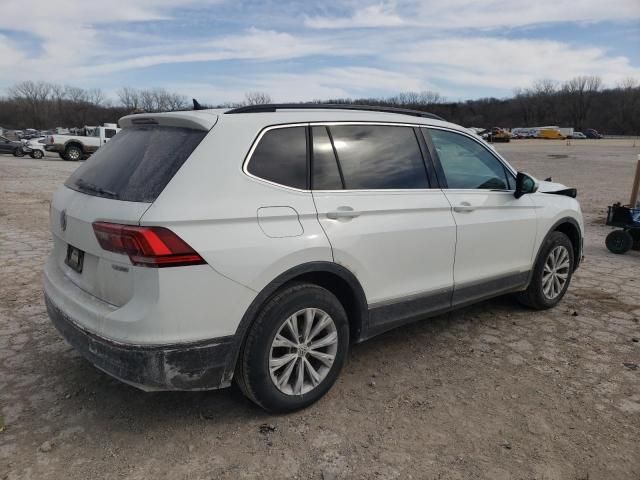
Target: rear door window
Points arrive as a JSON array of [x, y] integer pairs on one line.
[[379, 157], [137, 163], [326, 173], [281, 157]]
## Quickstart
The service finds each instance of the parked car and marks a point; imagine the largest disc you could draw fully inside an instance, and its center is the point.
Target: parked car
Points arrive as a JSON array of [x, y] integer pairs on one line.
[[11, 146], [77, 147], [257, 244], [578, 136], [592, 133], [34, 147], [498, 134]]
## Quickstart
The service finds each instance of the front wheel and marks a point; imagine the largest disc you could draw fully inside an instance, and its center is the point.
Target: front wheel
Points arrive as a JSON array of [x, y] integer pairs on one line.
[[37, 154], [18, 152], [295, 349], [551, 274]]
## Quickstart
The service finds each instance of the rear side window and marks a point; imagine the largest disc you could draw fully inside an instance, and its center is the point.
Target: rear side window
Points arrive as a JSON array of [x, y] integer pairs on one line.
[[326, 174], [137, 163], [379, 157], [281, 157]]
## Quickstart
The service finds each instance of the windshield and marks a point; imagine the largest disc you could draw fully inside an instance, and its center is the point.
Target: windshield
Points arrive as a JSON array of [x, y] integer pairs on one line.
[[137, 163]]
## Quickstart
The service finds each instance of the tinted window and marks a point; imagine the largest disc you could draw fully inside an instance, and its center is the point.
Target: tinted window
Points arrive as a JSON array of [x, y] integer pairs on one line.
[[137, 163], [326, 175], [379, 157], [281, 157], [109, 132], [467, 164]]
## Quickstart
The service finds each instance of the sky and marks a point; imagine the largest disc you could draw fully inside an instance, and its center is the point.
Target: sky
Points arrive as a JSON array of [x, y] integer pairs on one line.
[[217, 50]]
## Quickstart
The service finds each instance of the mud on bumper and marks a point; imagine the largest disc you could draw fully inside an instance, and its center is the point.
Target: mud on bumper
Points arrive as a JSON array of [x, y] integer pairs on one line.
[[185, 366]]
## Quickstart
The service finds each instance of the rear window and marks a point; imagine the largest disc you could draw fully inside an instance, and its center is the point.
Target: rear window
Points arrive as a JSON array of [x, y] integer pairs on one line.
[[137, 163]]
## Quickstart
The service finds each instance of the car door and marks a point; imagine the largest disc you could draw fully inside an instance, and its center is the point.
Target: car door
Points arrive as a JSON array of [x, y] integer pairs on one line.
[[6, 146], [385, 223], [495, 231]]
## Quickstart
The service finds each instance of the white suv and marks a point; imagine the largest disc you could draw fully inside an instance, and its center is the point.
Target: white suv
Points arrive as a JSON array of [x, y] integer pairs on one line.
[[257, 244]]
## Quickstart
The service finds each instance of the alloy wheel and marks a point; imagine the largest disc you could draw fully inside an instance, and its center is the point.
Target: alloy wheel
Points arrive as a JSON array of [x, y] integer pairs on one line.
[[556, 272], [303, 351]]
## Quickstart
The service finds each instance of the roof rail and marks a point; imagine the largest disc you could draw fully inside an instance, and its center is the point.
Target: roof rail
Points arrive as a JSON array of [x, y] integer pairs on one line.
[[272, 107]]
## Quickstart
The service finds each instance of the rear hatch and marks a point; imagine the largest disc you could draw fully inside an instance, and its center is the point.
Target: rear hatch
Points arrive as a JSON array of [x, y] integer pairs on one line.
[[117, 185]]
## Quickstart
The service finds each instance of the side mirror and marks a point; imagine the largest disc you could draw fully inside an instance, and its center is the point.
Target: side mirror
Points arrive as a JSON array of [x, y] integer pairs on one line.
[[525, 184]]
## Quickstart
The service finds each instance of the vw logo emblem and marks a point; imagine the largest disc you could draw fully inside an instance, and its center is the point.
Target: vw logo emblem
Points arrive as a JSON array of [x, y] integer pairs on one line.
[[63, 220]]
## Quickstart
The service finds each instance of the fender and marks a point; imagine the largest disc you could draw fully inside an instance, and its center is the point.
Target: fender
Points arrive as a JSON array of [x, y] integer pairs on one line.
[[274, 285], [578, 248]]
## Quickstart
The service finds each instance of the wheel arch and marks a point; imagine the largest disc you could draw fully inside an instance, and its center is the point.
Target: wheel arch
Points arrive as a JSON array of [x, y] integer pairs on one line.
[[331, 276], [74, 143], [571, 228]]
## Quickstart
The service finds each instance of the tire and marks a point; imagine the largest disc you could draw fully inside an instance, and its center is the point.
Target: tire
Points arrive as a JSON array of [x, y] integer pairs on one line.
[[37, 154], [73, 153], [544, 291], [635, 234], [619, 242], [253, 374], [18, 152], [61, 155]]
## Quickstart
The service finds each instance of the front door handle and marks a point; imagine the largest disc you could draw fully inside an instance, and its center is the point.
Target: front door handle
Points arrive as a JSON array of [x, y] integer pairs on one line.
[[464, 207], [343, 212]]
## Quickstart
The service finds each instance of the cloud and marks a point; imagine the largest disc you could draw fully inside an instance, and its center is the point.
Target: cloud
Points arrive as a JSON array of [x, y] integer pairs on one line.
[[256, 44], [505, 63], [488, 14], [351, 81], [298, 51], [377, 15]]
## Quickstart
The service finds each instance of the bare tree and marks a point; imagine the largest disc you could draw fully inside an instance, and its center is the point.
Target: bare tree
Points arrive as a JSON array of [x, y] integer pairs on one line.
[[96, 96], [544, 93], [579, 93], [257, 98], [34, 96], [129, 98], [415, 99]]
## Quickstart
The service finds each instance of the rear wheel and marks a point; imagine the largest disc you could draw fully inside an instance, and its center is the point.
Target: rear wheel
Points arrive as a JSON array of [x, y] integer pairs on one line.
[[18, 152], [619, 241], [551, 274], [73, 153], [37, 154], [295, 349]]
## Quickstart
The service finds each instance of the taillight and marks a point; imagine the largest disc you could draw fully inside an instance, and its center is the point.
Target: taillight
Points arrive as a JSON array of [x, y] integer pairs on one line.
[[146, 246]]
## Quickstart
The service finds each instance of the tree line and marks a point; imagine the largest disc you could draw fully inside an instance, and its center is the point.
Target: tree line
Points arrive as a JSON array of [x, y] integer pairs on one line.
[[582, 102]]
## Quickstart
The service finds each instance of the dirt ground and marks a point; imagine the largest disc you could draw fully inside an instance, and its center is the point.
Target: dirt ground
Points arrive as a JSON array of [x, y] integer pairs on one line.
[[493, 391]]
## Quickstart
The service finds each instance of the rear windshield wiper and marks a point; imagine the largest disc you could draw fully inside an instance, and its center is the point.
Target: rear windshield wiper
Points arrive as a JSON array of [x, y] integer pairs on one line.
[[92, 187]]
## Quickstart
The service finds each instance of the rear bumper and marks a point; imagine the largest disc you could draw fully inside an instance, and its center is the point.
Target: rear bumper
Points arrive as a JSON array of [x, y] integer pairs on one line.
[[184, 366]]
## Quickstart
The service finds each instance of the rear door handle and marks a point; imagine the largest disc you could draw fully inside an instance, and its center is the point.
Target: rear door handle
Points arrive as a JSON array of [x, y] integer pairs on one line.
[[343, 212], [464, 207]]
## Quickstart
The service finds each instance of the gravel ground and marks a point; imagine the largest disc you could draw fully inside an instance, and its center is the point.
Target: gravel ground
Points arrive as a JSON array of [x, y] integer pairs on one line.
[[493, 391]]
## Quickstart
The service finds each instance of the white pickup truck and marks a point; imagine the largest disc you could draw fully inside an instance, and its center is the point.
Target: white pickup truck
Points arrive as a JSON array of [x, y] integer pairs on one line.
[[77, 147]]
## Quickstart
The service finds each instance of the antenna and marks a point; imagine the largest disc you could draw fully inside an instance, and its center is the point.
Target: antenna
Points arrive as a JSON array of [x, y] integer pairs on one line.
[[197, 106]]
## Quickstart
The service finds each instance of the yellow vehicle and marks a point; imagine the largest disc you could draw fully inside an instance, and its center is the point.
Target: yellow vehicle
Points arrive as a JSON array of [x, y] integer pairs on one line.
[[550, 133]]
